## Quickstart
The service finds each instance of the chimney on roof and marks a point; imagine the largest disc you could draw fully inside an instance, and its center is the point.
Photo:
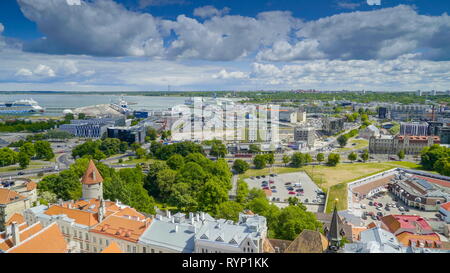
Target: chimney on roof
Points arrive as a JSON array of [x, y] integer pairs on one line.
[[176, 228], [203, 216], [15, 233], [197, 216], [168, 213], [191, 215]]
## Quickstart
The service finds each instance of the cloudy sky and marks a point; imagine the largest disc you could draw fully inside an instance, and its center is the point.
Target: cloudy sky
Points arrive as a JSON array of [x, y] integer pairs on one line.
[[146, 45]]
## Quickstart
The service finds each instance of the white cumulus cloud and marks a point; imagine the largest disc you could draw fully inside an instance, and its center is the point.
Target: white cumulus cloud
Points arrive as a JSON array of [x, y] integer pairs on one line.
[[373, 2], [210, 11]]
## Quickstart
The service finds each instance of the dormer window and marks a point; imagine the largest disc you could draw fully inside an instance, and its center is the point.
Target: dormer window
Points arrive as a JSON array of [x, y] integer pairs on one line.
[[219, 239], [204, 237]]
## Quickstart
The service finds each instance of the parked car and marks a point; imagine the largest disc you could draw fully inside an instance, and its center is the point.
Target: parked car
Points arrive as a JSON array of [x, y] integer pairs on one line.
[[266, 188], [401, 209], [364, 217], [263, 176], [363, 206], [273, 187], [374, 217], [406, 209], [288, 183], [290, 188], [272, 175], [387, 208], [380, 214], [370, 203], [258, 176], [271, 181], [306, 200], [274, 190], [292, 192]]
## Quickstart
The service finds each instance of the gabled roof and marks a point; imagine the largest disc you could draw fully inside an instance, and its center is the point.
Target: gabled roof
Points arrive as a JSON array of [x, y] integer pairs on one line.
[[408, 238], [309, 241], [92, 175], [112, 248], [16, 217], [46, 240], [81, 217], [31, 185], [7, 243], [8, 196]]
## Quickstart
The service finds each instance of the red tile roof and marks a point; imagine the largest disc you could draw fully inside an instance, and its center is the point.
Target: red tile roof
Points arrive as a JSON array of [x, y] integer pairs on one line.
[[396, 222], [46, 240], [123, 227], [92, 175], [8, 196], [16, 217], [446, 206], [81, 217]]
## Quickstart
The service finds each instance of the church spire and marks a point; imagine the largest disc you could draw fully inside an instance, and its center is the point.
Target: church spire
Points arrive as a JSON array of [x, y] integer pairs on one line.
[[333, 235]]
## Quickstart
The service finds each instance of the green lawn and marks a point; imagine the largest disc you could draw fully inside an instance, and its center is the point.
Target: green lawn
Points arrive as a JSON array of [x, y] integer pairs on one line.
[[359, 144]]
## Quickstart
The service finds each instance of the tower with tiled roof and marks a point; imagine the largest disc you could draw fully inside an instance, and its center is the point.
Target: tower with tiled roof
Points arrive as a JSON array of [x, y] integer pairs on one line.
[[92, 183]]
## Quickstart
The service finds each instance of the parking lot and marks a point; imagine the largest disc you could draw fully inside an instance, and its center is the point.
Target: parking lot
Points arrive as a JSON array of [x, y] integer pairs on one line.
[[301, 187], [396, 207]]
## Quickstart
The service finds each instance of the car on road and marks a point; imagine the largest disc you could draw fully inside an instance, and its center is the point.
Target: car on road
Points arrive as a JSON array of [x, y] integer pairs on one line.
[[20, 173]]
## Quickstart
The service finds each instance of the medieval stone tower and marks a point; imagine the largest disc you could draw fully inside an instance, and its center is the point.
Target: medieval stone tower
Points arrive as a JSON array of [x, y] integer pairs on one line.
[[92, 183]]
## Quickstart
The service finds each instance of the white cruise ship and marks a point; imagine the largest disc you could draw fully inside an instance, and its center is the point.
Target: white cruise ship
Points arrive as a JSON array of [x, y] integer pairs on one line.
[[20, 107]]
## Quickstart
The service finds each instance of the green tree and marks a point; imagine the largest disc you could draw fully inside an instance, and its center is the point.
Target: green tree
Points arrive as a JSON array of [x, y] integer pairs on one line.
[[242, 192], [333, 159], [270, 158], [81, 116], [211, 195], [401, 154], [229, 210], [175, 162], [140, 153], [260, 161], [320, 157], [28, 148], [342, 140], [352, 156], [218, 150], [292, 220], [165, 180], [240, 166], [286, 160], [152, 133], [365, 155], [43, 150], [299, 159], [24, 159]]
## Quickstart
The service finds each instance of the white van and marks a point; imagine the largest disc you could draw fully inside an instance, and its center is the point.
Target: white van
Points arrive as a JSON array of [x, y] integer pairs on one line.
[[297, 184]]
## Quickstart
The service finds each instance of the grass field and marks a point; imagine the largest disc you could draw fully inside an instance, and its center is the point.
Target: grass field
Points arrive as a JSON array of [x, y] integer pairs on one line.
[[335, 179], [359, 144]]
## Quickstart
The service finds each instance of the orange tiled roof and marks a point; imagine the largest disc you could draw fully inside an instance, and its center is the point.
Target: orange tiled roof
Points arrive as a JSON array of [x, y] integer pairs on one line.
[[406, 238], [391, 223], [23, 235], [31, 185], [91, 205], [130, 212], [47, 240], [122, 227], [356, 231], [112, 248], [16, 217], [446, 206], [92, 175], [80, 216], [7, 196]]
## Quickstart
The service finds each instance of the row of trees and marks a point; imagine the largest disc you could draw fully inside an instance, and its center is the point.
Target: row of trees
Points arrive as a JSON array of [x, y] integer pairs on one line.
[[38, 150], [100, 149], [261, 161], [28, 126], [125, 185], [343, 139], [163, 152]]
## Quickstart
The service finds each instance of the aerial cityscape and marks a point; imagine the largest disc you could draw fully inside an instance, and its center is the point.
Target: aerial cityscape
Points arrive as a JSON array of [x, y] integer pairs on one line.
[[167, 126]]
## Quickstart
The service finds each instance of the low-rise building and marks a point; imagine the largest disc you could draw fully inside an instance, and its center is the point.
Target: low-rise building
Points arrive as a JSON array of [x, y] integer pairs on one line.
[[411, 145], [90, 128], [11, 202], [129, 134], [332, 125], [305, 134]]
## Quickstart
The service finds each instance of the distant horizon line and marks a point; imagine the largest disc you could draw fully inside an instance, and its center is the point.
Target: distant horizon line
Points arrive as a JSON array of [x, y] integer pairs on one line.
[[186, 91]]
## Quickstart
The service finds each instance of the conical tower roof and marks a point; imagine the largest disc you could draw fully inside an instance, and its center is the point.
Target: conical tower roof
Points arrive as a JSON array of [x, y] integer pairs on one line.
[[92, 175]]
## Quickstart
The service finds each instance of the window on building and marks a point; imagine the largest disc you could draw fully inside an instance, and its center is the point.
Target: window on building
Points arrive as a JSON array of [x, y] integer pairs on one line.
[[94, 239], [153, 251], [100, 241], [106, 242], [128, 248], [144, 250], [87, 237], [134, 249], [81, 245], [95, 249]]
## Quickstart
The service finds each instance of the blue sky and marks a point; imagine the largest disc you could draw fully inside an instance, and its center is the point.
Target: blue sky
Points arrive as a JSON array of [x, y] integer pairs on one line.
[[224, 45]]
